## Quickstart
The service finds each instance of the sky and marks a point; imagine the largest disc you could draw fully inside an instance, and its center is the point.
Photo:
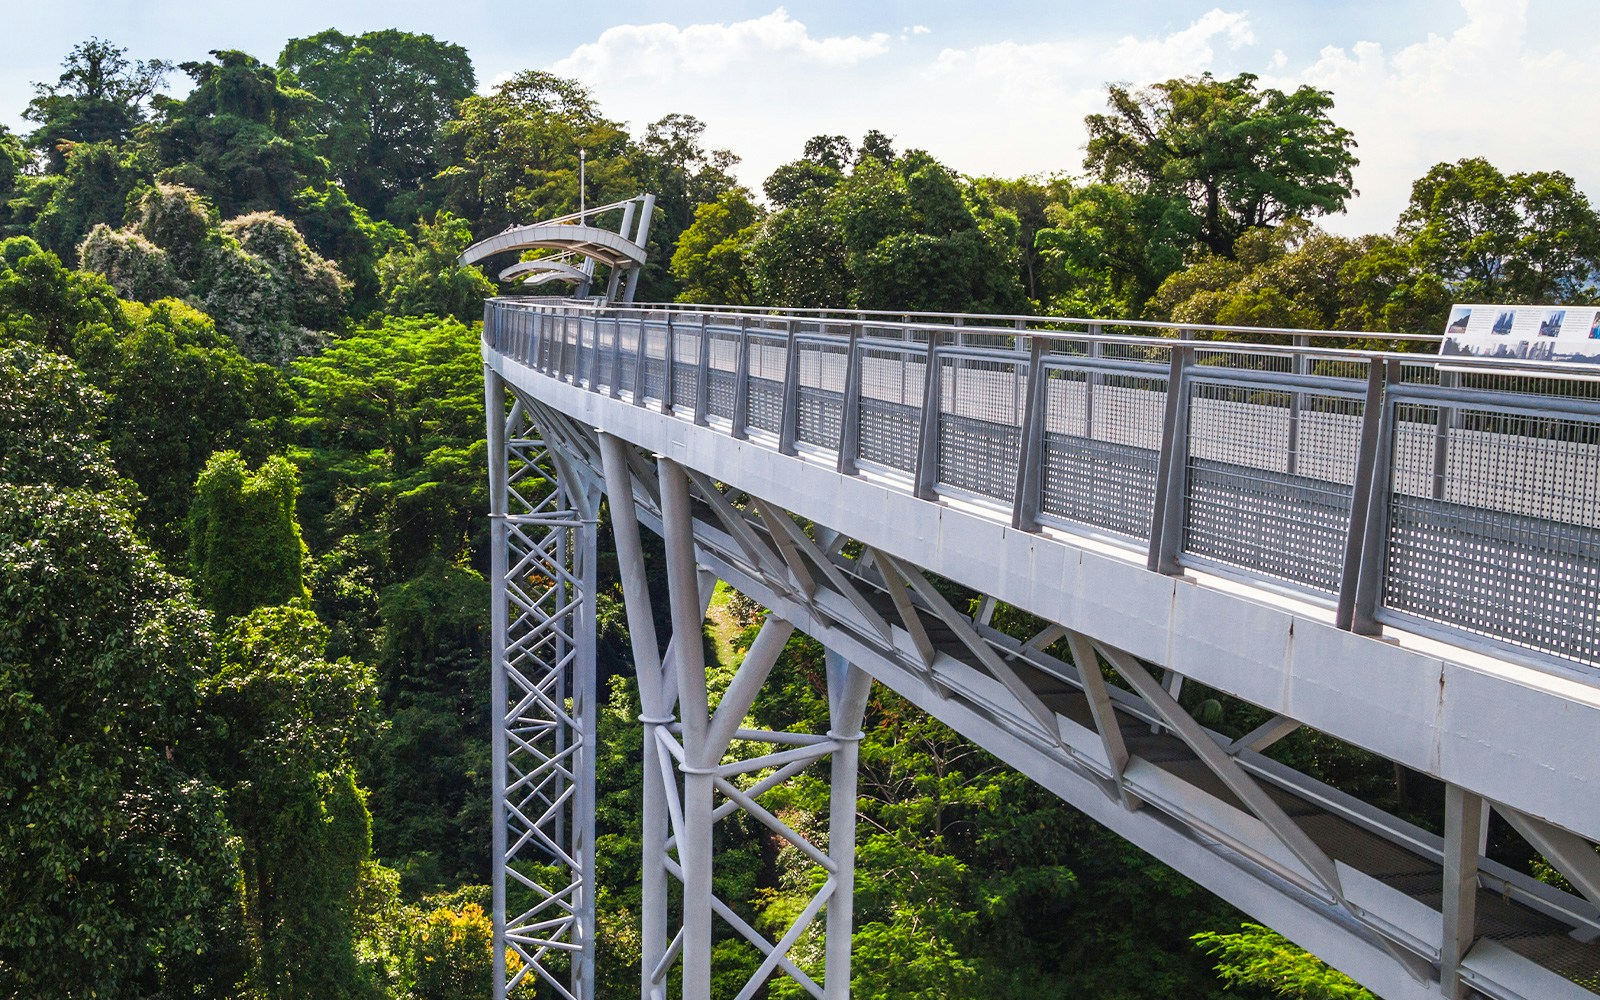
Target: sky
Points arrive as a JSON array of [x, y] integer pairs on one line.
[[993, 88]]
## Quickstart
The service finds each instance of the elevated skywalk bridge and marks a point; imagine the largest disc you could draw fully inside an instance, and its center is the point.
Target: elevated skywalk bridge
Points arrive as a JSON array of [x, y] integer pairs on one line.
[[1402, 555]]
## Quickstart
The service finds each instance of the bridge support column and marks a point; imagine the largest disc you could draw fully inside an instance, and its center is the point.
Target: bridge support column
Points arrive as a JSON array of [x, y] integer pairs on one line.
[[542, 555], [690, 781], [848, 688]]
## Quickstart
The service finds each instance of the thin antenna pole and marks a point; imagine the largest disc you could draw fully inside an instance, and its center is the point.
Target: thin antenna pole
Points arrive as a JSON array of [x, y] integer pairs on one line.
[[583, 156]]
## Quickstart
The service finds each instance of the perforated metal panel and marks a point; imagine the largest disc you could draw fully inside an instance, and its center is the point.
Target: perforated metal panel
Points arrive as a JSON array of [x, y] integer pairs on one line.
[[686, 365], [1101, 446], [821, 373], [655, 359], [980, 420], [1501, 537], [723, 357], [893, 381], [627, 345], [1244, 505], [768, 359]]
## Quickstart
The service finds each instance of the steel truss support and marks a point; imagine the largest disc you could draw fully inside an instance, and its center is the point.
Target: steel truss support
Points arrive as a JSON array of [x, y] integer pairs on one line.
[[542, 553], [694, 774]]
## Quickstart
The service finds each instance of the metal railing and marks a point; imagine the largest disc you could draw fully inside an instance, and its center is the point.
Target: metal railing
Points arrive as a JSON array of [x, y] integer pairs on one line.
[[1459, 498]]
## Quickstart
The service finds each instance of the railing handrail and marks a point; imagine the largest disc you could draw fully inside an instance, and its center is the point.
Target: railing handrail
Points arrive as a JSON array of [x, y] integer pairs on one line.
[[1486, 366], [1325, 483], [906, 317]]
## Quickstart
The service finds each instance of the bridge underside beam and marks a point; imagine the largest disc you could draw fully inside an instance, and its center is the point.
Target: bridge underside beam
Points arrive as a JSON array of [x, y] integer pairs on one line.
[[1332, 873]]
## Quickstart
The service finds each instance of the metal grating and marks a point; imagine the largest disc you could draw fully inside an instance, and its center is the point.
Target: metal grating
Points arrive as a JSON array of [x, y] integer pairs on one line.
[[1502, 537], [655, 359], [722, 354], [1101, 447], [821, 370], [767, 358], [1245, 505], [892, 387], [685, 365], [980, 419]]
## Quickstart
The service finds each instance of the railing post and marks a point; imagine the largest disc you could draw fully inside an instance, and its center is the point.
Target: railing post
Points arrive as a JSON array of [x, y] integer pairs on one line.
[[1302, 366], [850, 416], [560, 358], [702, 382], [1441, 436], [927, 465], [741, 383], [592, 377], [788, 430], [1166, 530], [1025, 506], [669, 368], [641, 357], [1365, 551], [616, 357]]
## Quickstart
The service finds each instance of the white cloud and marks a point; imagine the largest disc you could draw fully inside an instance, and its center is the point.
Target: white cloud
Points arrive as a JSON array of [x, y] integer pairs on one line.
[[661, 51], [1485, 89], [763, 86]]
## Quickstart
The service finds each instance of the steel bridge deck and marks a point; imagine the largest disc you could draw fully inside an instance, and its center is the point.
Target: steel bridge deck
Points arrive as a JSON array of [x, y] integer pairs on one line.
[[1293, 503]]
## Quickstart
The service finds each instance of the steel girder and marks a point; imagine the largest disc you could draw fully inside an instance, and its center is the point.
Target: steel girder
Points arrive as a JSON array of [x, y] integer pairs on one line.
[[1248, 828]]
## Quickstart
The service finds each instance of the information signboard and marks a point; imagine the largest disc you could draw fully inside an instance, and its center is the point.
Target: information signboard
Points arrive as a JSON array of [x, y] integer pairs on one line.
[[1523, 333]]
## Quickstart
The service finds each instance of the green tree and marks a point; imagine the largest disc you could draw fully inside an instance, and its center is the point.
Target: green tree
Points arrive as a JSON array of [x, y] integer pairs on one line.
[[423, 278], [390, 444], [671, 162], [239, 137], [14, 161], [342, 231], [1298, 277], [383, 96], [1242, 157], [179, 391], [1106, 249], [101, 96], [245, 550], [1524, 237], [98, 180], [1258, 956], [710, 260], [289, 725], [798, 260], [44, 302], [430, 772], [512, 154], [112, 840]]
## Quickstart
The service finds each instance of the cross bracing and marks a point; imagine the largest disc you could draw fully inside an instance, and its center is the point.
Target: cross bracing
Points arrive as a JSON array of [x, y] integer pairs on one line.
[[721, 428]]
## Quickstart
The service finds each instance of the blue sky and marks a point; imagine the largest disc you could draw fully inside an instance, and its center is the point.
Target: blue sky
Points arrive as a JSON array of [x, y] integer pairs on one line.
[[999, 87]]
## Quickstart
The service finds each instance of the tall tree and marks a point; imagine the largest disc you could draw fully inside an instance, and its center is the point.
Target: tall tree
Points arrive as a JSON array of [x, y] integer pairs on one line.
[[710, 260], [671, 161], [112, 840], [101, 96], [383, 96], [179, 391], [1528, 237], [294, 723], [239, 137], [423, 279], [244, 541], [1242, 157], [513, 153]]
